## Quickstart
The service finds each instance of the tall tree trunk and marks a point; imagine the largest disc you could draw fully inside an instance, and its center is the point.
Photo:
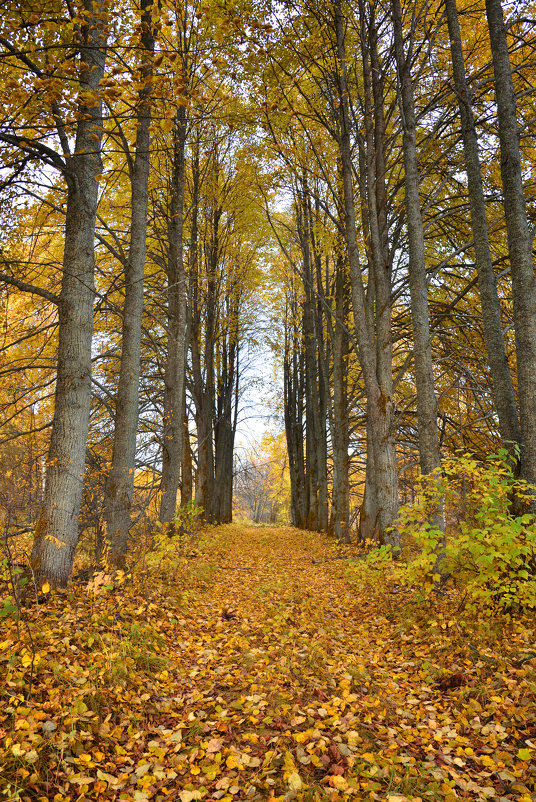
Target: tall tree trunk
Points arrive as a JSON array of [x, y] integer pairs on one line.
[[293, 405], [519, 239], [205, 413], [380, 403], [204, 483], [176, 335], [312, 424], [57, 529], [223, 428], [339, 434], [428, 435], [368, 512], [186, 466], [503, 391], [322, 357], [187, 489], [379, 266], [203, 394], [120, 482], [321, 426]]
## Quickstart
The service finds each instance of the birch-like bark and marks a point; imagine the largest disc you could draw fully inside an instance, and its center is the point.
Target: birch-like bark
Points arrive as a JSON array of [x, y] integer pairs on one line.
[[519, 239], [503, 391], [120, 482], [57, 528]]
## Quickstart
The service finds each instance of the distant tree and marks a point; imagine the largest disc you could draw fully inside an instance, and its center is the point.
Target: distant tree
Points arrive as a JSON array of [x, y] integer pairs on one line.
[[262, 482]]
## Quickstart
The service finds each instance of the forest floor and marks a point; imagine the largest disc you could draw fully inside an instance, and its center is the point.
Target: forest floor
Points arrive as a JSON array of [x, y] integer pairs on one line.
[[250, 666]]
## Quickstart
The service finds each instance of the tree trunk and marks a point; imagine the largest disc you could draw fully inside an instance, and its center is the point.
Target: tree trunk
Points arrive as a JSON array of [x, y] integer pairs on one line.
[[120, 483], [519, 239], [224, 428], [186, 466], [380, 403], [187, 490], [312, 424], [322, 356], [322, 415], [204, 483], [428, 436], [368, 512], [339, 434], [380, 276], [293, 405], [205, 398], [176, 340], [503, 391], [57, 528]]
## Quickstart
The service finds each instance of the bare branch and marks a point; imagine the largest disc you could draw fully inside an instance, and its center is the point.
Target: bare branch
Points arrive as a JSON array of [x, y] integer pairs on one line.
[[24, 286]]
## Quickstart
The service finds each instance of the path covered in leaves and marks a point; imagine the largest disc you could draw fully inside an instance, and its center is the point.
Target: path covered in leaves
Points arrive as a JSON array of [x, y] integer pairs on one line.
[[251, 668]]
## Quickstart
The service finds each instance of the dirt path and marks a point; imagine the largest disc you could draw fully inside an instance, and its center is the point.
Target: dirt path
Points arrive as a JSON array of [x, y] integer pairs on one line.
[[250, 668], [299, 687]]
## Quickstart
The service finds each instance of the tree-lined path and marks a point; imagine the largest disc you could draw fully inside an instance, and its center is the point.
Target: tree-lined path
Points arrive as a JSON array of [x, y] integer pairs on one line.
[[320, 213], [253, 667], [316, 214]]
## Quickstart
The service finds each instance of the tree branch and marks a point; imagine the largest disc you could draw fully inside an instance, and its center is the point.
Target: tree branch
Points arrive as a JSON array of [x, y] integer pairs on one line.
[[30, 288]]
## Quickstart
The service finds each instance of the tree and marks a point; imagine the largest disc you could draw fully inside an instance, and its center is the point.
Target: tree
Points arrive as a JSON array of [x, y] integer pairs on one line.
[[262, 481], [429, 449], [57, 527], [120, 481], [519, 238]]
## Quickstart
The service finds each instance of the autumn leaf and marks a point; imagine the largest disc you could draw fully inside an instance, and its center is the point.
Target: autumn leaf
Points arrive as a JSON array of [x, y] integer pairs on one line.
[[334, 692]]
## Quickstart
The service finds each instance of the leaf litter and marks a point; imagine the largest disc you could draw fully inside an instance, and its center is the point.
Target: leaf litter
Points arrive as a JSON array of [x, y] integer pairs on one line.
[[254, 669]]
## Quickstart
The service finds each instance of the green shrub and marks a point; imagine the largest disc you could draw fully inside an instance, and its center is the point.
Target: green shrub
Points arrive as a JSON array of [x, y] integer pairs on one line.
[[493, 551]]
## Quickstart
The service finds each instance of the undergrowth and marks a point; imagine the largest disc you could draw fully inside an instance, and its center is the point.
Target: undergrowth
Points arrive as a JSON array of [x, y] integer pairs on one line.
[[490, 556]]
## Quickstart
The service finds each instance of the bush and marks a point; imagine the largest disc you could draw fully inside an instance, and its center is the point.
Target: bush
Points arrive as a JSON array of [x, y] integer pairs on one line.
[[493, 551]]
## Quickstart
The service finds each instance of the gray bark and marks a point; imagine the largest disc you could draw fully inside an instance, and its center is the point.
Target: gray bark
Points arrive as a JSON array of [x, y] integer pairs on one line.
[[226, 415], [368, 512], [379, 271], [293, 406], [503, 391], [120, 482], [323, 356], [204, 398], [322, 416], [380, 402], [176, 335], [428, 435], [312, 423], [339, 417], [186, 465], [519, 239], [204, 343], [57, 528]]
